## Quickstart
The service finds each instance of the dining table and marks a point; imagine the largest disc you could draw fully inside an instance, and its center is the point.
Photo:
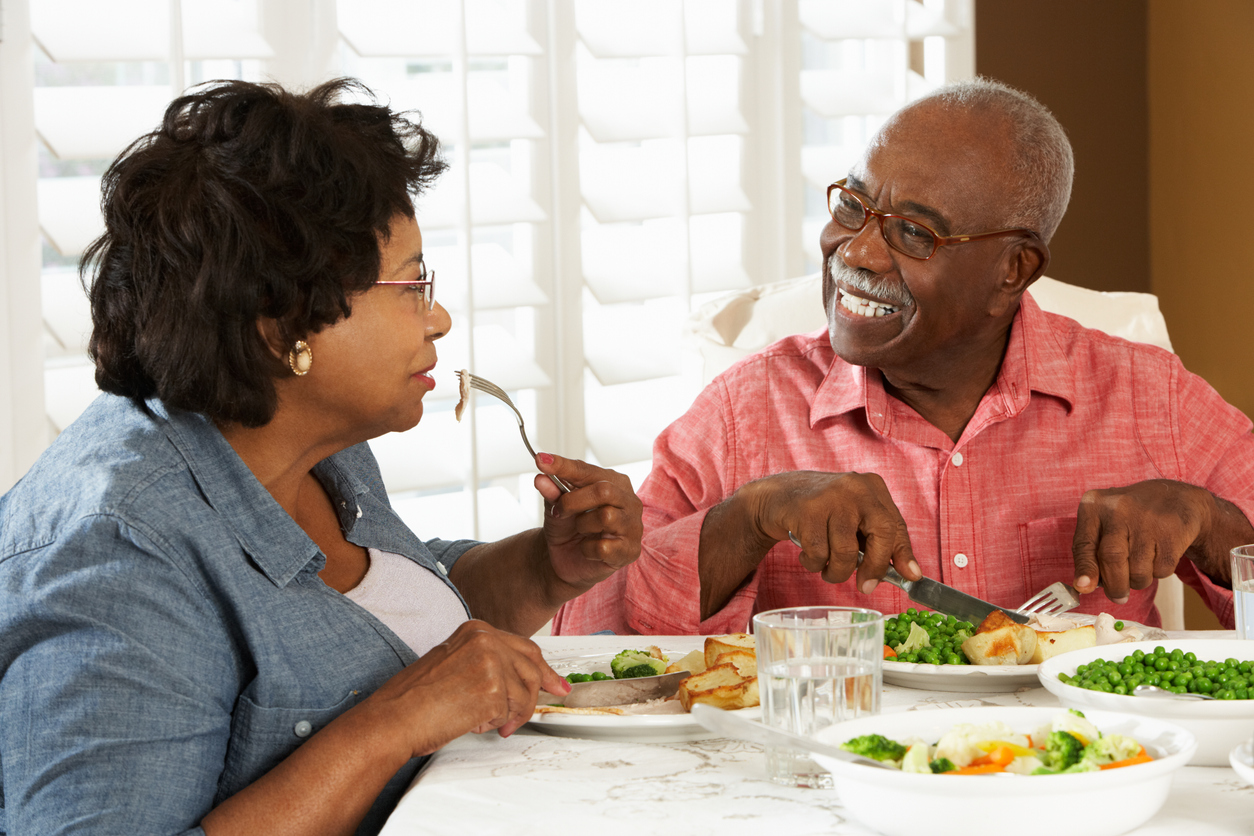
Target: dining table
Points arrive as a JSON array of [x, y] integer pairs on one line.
[[536, 783]]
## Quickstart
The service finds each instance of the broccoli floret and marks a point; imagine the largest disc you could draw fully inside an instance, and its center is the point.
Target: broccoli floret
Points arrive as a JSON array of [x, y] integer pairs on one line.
[[633, 663], [1062, 749], [1110, 748], [941, 765], [875, 746]]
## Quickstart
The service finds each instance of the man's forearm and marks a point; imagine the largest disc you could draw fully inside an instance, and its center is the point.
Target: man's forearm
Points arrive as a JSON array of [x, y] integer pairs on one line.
[[731, 549]]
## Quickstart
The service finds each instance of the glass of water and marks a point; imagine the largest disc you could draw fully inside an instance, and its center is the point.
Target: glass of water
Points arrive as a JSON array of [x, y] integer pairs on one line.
[[816, 666], [1243, 590]]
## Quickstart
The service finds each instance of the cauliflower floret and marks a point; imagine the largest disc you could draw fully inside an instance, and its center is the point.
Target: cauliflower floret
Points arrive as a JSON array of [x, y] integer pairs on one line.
[[1075, 723], [916, 759], [1110, 748], [1024, 765]]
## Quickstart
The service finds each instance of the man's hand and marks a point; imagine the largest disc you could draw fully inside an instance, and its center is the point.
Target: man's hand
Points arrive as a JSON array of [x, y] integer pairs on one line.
[[835, 516], [594, 530], [1127, 537]]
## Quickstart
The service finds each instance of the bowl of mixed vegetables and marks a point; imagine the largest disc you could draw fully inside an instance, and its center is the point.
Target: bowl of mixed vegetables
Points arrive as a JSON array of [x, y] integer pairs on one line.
[[1104, 677], [974, 771]]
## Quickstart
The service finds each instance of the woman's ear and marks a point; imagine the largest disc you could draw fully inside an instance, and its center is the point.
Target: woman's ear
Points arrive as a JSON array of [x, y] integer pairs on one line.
[[272, 336]]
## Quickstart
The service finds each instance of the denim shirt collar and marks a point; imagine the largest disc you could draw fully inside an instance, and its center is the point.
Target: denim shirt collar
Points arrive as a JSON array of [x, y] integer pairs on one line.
[[277, 545]]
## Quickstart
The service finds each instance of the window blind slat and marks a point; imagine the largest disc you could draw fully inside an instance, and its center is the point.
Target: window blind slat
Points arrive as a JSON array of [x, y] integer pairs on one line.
[[69, 212], [85, 123]]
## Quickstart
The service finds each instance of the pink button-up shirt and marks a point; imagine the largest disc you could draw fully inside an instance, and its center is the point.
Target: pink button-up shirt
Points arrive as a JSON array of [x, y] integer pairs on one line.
[[992, 514]]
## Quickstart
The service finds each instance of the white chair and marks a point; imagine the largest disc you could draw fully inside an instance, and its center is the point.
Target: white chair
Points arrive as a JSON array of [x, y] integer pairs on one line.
[[733, 326]]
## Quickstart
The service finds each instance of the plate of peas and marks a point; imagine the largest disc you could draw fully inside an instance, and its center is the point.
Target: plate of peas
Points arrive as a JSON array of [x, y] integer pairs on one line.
[[1103, 677], [942, 666]]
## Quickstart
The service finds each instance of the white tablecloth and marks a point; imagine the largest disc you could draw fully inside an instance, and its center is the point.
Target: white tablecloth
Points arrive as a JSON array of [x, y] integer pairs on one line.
[[532, 783]]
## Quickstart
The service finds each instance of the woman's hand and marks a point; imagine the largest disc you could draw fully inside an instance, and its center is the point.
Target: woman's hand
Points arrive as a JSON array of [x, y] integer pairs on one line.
[[594, 530], [479, 679]]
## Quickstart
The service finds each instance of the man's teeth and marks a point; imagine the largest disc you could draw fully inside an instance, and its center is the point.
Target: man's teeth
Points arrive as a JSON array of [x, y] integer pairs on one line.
[[864, 307]]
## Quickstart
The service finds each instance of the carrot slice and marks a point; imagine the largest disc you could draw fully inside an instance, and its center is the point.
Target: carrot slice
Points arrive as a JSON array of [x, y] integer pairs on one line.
[[1001, 756], [889, 653], [980, 769]]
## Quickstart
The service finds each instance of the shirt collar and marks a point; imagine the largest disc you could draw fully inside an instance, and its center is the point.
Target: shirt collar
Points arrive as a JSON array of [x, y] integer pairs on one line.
[[277, 545], [1034, 362]]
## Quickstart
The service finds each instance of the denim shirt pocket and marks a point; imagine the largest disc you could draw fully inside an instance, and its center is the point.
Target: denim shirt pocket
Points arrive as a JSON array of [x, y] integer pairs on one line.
[[262, 737], [1046, 548]]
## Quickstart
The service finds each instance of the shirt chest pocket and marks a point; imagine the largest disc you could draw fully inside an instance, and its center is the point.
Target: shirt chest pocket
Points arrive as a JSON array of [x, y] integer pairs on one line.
[[1046, 548], [262, 737]]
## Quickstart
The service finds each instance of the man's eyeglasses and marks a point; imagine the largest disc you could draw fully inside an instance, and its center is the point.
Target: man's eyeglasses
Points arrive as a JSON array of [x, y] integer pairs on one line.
[[905, 235], [423, 288]]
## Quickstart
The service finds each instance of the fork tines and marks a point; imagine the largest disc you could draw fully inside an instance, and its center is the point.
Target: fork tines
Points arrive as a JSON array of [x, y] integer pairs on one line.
[[1055, 599]]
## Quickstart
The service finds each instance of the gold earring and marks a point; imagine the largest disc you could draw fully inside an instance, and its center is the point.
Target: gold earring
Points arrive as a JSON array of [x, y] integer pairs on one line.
[[300, 358]]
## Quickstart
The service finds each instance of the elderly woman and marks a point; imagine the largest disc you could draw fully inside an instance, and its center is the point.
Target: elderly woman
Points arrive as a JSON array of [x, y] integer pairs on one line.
[[211, 620]]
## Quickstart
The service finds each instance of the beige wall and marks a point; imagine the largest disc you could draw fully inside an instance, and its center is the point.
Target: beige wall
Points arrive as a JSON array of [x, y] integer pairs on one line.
[[1158, 99]]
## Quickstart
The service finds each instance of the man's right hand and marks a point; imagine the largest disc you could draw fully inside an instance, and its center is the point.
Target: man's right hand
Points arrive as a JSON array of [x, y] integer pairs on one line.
[[835, 516]]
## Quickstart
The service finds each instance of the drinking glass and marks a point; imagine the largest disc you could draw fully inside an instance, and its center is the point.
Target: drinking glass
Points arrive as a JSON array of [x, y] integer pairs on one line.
[[816, 666], [1243, 590]]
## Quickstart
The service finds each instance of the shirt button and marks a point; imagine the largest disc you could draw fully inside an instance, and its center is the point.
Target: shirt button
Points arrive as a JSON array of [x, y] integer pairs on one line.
[[442, 568], [303, 728], [956, 459], [358, 512], [960, 560]]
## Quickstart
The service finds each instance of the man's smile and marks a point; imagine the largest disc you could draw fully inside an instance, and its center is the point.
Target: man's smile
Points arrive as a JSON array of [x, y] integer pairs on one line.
[[863, 307]]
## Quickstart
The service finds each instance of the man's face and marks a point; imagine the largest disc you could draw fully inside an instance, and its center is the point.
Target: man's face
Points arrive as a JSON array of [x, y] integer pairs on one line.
[[951, 171]]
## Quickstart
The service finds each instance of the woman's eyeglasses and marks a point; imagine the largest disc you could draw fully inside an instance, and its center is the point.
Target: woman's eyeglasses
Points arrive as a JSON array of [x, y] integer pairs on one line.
[[905, 235], [423, 287]]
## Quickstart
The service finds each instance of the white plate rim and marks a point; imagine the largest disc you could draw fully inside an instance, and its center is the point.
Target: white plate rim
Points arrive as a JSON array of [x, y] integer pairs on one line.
[[565, 662]]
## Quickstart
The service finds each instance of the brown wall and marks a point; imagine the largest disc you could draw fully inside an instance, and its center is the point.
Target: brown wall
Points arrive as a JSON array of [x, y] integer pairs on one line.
[[1158, 99], [1085, 61]]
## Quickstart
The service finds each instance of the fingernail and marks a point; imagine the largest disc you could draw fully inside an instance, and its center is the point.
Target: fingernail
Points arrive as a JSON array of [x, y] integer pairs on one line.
[[1122, 600], [869, 586], [1082, 582], [914, 567], [545, 458]]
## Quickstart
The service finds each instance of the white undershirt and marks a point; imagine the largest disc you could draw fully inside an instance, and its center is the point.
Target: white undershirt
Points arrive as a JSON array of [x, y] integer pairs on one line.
[[407, 597]]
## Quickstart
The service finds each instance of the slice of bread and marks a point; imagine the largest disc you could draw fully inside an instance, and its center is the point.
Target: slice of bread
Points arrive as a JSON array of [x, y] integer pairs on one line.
[[715, 646], [746, 661], [721, 686]]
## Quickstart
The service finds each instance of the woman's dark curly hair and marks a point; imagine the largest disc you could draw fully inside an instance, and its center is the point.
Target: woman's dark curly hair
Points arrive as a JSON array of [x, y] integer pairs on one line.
[[249, 201]]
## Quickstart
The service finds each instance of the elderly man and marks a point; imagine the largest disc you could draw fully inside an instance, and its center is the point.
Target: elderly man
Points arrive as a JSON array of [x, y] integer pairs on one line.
[[944, 423]]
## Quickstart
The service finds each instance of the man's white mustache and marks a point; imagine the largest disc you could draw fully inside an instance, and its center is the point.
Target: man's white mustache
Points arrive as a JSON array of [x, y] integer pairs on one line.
[[868, 282]]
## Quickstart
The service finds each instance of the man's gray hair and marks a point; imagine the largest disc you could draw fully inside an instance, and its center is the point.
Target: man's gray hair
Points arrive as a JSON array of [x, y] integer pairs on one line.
[[1043, 162]]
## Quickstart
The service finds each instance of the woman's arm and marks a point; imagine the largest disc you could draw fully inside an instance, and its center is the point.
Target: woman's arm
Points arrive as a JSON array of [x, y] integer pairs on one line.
[[517, 584]]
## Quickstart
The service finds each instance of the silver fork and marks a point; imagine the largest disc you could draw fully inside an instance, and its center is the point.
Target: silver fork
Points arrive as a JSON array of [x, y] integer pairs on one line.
[[476, 382], [1055, 599]]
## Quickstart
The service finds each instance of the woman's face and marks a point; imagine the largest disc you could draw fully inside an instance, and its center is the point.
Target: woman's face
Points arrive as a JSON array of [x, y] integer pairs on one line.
[[371, 369]]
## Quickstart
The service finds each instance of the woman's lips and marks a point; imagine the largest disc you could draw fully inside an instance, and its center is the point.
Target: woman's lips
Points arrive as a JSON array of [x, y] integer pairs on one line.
[[425, 377]]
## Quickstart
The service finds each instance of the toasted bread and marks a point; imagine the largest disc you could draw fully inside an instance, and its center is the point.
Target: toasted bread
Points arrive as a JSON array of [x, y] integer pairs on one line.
[[718, 645], [1013, 644], [746, 661], [1049, 645], [721, 686]]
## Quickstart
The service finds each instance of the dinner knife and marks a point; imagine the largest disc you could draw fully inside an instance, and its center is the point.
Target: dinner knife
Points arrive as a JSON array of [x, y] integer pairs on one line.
[[602, 692], [940, 597]]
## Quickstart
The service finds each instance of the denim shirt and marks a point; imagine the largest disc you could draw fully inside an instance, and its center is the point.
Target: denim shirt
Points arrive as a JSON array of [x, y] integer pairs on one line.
[[165, 639]]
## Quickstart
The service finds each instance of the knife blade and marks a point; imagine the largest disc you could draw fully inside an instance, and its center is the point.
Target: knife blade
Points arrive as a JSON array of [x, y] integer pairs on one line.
[[940, 597], [602, 692], [945, 599]]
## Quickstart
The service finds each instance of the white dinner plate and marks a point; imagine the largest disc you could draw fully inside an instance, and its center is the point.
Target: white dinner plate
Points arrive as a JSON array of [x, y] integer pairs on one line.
[[972, 678], [632, 728], [1242, 760]]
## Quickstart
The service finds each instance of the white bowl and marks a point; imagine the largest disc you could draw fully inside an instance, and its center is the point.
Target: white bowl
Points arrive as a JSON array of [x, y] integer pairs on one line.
[[1102, 803], [1218, 724]]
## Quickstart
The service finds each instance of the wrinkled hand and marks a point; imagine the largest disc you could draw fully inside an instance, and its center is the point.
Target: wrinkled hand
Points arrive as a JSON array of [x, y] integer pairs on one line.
[[835, 516], [594, 530], [478, 679], [1127, 537]]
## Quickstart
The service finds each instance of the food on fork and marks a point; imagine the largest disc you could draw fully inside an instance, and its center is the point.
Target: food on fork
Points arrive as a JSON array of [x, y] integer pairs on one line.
[[463, 388], [1000, 641]]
